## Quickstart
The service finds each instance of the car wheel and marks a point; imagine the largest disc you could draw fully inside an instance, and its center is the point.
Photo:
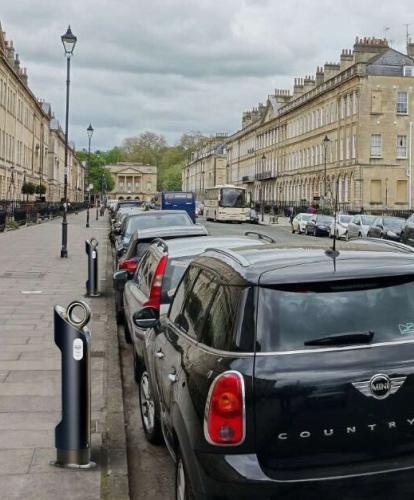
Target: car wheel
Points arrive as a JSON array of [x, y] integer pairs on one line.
[[148, 407], [293, 231], [360, 235], [183, 489], [347, 236], [137, 365], [127, 332]]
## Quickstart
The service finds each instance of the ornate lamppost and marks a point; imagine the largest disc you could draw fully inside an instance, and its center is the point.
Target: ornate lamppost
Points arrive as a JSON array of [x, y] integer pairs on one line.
[[89, 131], [69, 42]]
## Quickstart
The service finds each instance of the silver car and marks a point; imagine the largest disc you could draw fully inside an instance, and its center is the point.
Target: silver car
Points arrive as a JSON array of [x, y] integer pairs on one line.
[[359, 225], [299, 222]]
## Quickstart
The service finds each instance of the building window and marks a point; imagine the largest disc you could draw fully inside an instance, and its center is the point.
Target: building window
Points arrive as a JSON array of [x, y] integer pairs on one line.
[[408, 70], [401, 192], [376, 186], [402, 148], [376, 146], [402, 103]]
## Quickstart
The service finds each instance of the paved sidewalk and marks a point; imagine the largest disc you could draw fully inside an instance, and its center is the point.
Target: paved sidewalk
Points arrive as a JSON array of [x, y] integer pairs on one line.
[[33, 278]]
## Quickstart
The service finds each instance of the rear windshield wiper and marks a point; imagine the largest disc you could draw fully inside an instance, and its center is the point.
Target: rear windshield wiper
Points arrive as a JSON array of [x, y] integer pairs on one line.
[[343, 338]]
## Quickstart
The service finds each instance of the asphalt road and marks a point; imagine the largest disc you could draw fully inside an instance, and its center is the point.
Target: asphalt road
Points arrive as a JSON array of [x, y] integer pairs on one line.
[[151, 470]]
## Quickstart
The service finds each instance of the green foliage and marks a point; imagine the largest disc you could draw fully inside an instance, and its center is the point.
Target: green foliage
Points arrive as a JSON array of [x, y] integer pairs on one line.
[[40, 189], [28, 188], [147, 148]]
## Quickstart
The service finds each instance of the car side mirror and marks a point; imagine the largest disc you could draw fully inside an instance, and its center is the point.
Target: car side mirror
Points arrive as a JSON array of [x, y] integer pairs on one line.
[[120, 278], [146, 318]]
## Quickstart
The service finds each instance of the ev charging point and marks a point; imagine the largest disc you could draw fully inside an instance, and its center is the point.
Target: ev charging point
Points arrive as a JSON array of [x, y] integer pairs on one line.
[[73, 433], [92, 281]]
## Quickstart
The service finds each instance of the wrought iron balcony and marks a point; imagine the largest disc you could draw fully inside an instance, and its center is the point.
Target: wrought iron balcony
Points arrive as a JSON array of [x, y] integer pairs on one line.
[[268, 174], [248, 178]]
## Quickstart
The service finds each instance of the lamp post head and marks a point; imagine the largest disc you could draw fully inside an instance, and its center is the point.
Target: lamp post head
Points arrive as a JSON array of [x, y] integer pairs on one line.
[[326, 140], [90, 131], [263, 157], [69, 42]]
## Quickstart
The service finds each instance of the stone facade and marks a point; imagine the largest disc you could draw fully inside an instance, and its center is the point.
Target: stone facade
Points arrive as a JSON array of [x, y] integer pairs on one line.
[[133, 181], [207, 167], [363, 107], [27, 139]]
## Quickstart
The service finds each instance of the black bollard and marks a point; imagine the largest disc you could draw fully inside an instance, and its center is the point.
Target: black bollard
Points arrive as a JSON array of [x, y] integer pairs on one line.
[[92, 282], [73, 433]]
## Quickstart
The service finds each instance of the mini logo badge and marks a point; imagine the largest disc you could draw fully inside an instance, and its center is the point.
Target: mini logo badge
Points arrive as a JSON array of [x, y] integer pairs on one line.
[[380, 386]]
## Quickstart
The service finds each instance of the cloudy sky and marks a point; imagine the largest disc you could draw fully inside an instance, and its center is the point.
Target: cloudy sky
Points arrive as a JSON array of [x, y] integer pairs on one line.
[[172, 66]]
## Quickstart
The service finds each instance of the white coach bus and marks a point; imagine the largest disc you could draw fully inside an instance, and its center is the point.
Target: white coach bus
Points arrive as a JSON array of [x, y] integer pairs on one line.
[[226, 203]]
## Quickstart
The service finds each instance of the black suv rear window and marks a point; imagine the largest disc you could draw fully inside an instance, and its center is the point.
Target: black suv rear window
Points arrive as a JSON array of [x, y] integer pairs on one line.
[[289, 316]]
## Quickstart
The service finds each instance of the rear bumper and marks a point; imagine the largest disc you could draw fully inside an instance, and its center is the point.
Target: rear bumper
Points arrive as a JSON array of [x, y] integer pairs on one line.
[[241, 477]]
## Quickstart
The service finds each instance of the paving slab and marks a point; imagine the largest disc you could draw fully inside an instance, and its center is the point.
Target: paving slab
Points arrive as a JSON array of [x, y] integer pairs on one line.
[[30, 364]]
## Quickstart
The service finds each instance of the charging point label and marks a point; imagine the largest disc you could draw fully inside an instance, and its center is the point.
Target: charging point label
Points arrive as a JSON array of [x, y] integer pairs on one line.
[[77, 349]]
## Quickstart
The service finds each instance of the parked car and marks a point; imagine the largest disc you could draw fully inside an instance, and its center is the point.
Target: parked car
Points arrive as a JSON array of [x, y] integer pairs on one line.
[[159, 271], [341, 226], [407, 233], [359, 225], [273, 383], [318, 225], [145, 220], [299, 222], [139, 243], [386, 227]]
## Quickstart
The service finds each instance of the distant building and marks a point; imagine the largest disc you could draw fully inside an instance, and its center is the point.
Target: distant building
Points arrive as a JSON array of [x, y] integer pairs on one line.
[[133, 181], [31, 140], [363, 106], [207, 167]]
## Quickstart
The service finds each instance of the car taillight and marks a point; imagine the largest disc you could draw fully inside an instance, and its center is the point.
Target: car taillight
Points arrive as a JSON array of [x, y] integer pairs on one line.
[[129, 265], [224, 422], [155, 292]]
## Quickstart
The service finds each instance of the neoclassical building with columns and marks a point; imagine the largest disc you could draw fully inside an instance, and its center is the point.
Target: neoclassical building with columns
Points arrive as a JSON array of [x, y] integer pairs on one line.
[[133, 181], [348, 129]]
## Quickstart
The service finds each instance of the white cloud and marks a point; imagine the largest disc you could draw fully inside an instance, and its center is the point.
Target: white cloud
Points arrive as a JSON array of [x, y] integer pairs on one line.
[[175, 65]]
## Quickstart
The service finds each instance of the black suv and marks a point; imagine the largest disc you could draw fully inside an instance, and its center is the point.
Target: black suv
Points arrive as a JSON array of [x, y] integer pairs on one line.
[[287, 373]]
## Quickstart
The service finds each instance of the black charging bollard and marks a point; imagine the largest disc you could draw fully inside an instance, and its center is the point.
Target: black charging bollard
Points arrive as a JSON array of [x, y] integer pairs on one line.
[[92, 282], [73, 433]]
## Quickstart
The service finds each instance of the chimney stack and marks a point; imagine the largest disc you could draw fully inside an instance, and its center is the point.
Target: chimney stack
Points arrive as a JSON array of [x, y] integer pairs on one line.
[[330, 70], [308, 83], [366, 48], [24, 77], [320, 76], [347, 59], [298, 87]]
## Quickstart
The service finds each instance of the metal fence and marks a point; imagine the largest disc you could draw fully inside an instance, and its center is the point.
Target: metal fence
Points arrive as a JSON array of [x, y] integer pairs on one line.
[[21, 212]]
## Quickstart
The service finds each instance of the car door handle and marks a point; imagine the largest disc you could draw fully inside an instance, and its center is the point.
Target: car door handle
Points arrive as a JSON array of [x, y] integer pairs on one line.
[[160, 354], [172, 377]]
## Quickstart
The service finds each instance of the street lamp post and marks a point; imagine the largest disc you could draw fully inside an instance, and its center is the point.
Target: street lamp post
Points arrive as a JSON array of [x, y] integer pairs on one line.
[[89, 131], [69, 42], [326, 142], [261, 190]]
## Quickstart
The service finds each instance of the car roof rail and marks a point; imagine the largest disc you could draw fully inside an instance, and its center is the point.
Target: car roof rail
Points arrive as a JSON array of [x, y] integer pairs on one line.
[[260, 236], [380, 241], [232, 255], [160, 242]]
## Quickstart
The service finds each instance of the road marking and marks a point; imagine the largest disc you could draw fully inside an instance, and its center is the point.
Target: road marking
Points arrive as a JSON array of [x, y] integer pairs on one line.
[[31, 292]]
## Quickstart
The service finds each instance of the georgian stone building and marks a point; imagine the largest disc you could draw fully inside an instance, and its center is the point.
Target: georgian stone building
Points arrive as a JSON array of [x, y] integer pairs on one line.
[[347, 130], [133, 181], [207, 167], [28, 140]]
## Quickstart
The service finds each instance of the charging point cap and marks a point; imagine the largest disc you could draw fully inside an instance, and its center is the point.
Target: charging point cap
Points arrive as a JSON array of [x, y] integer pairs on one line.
[[73, 318]]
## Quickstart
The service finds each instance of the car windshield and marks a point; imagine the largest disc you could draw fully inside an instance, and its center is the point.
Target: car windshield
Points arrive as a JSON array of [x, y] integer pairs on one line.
[[345, 219], [393, 222], [156, 220], [324, 219], [306, 216], [233, 198], [384, 306], [367, 220]]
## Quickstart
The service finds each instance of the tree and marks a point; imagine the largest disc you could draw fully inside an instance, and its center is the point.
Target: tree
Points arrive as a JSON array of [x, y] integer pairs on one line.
[[28, 188], [192, 141], [40, 189], [147, 148]]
